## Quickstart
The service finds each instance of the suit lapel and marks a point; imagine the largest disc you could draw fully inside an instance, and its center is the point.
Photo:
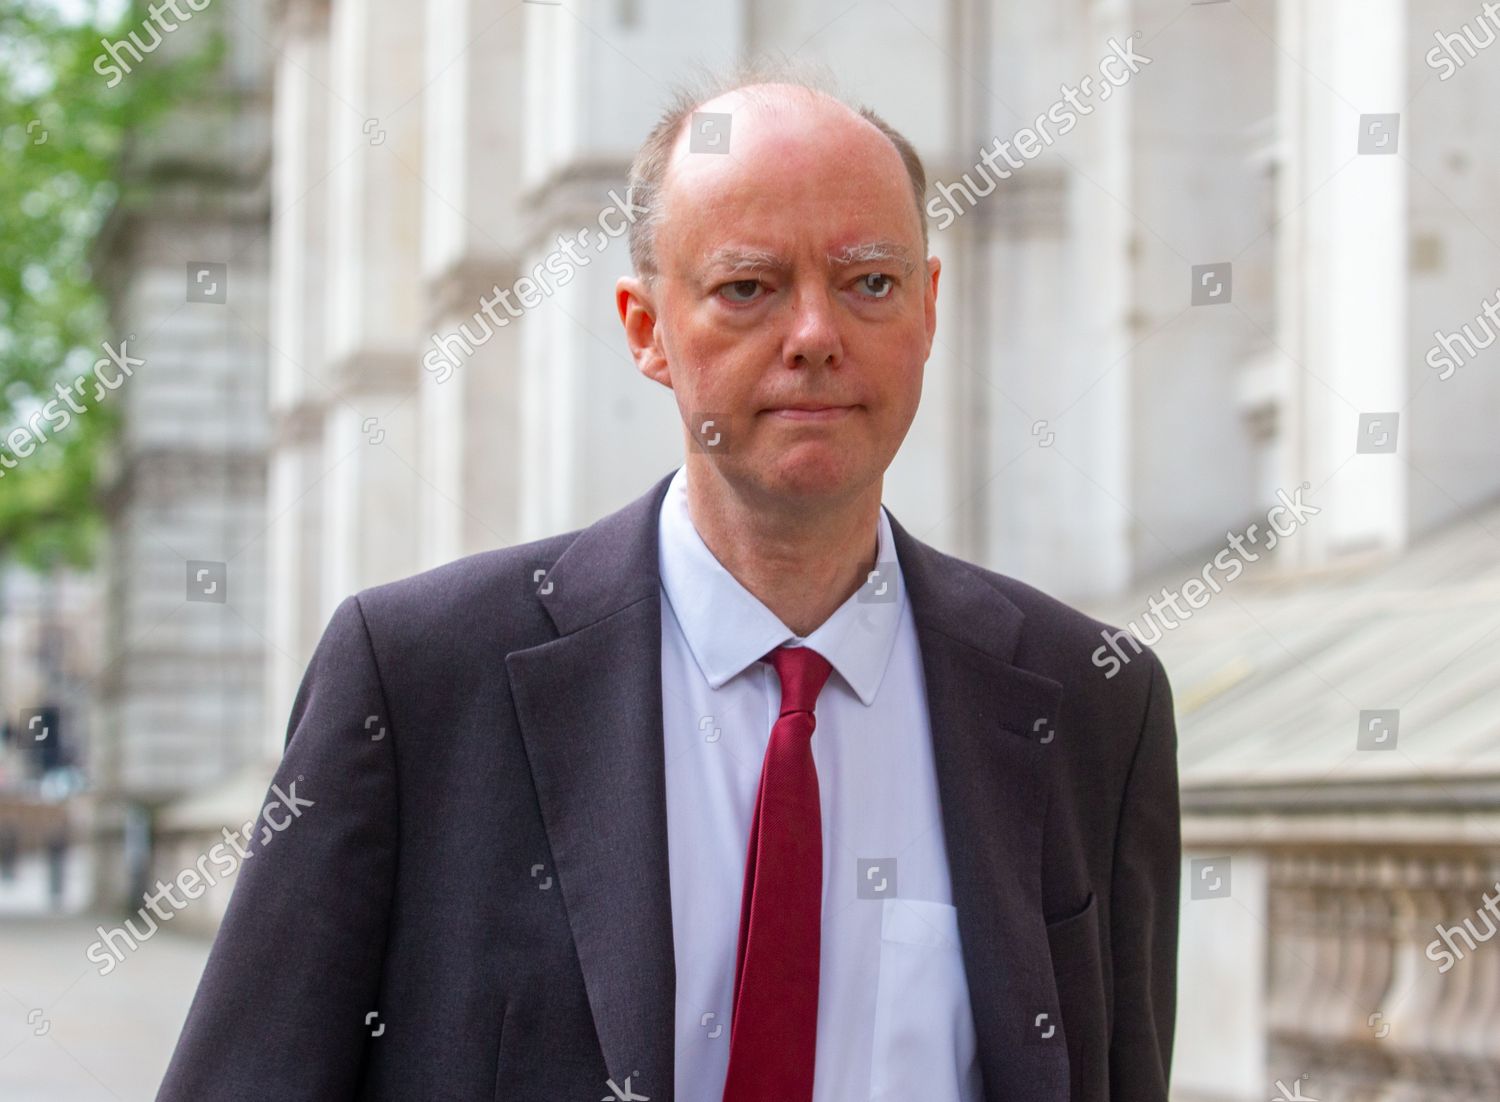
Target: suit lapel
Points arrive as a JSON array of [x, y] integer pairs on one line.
[[988, 719], [595, 748], [594, 743]]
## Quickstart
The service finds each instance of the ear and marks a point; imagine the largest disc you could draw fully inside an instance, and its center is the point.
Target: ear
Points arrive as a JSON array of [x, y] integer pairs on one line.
[[934, 269], [637, 308]]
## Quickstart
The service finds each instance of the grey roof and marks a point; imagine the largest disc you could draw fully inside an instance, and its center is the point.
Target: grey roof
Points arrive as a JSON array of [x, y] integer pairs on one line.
[[1270, 677]]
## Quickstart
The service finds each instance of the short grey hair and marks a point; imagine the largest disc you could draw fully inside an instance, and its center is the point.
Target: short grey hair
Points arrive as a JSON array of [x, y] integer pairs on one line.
[[648, 170]]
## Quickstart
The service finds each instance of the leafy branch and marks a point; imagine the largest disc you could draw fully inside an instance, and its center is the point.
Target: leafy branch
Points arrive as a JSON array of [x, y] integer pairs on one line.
[[65, 140]]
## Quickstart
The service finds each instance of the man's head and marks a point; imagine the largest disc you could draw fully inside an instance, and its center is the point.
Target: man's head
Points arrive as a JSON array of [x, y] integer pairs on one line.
[[786, 267]]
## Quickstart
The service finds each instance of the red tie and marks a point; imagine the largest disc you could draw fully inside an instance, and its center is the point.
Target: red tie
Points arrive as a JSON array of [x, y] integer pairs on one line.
[[774, 1025]]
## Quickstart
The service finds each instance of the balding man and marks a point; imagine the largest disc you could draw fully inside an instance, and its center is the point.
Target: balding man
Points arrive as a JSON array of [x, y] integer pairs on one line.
[[742, 793]]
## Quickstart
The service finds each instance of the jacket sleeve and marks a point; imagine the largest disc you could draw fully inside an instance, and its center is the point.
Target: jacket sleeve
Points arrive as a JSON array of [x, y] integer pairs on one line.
[[1144, 899], [280, 1011]]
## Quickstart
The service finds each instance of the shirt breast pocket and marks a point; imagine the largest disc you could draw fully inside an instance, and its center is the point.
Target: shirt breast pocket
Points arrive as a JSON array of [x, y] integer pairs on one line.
[[924, 1045]]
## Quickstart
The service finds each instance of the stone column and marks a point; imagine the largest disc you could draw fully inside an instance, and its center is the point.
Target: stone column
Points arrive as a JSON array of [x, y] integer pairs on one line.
[[1042, 358], [372, 495], [472, 248], [594, 432], [298, 387], [1342, 269]]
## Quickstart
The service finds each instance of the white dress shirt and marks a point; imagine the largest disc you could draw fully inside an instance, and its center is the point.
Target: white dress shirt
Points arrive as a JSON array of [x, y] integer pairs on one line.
[[894, 1019]]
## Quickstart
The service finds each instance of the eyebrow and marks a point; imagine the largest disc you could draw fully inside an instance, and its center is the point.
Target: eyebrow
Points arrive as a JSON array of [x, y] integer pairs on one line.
[[734, 259]]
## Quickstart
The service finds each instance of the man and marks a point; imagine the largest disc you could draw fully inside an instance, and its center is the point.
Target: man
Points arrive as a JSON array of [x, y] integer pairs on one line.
[[742, 792]]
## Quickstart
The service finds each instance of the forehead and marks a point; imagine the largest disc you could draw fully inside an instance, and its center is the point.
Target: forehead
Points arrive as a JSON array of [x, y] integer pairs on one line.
[[796, 174]]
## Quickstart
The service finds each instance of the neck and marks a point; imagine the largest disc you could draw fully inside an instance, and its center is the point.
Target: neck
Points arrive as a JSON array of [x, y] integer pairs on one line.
[[801, 560]]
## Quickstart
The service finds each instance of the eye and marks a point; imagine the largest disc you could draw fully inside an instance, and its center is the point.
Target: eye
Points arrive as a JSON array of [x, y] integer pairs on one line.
[[890, 283], [750, 286]]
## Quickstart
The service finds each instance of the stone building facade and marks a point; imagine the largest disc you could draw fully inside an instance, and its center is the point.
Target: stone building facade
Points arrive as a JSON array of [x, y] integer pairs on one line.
[[179, 701]]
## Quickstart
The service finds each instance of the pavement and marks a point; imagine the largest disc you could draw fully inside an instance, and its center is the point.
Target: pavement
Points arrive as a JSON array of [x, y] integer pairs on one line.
[[70, 1034]]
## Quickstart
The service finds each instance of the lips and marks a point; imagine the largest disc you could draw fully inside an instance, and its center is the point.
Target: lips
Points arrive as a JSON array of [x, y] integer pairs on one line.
[[810, 413]]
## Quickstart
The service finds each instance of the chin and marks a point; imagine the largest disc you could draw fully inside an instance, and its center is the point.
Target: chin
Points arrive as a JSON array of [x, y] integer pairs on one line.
[[812, 470]]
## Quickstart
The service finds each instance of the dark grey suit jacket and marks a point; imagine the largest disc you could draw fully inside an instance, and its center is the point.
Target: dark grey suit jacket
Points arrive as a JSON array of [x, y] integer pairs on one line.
[[476, 905]]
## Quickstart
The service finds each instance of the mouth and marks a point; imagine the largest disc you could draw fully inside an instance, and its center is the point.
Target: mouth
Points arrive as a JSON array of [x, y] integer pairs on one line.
[[809, 412]]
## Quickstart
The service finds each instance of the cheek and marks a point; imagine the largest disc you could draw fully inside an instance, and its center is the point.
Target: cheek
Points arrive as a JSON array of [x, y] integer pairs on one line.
[[897, 364], [722, 365]]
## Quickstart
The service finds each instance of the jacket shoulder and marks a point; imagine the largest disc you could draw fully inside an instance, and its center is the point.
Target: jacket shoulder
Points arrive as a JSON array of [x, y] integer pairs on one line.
[[1066, 641], [477, 593]]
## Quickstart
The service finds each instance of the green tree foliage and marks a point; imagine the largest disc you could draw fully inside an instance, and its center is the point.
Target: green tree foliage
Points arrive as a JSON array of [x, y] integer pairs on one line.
[[65, 138]]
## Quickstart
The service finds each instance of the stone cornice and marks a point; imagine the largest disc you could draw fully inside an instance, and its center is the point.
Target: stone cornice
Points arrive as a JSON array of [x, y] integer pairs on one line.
[[366, 371], [457, 289], [164, 474], [299, 17], [1383, 830], [301, 423], [1419, 792]]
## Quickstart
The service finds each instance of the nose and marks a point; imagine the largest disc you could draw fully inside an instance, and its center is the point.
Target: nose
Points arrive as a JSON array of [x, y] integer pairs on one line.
[[813, 337]]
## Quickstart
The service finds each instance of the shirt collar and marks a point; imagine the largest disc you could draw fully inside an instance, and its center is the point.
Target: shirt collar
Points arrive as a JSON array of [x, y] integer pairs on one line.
[[727, 627]]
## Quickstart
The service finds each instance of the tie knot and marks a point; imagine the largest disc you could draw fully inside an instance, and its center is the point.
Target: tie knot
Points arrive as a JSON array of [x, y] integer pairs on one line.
[[803, 672]]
